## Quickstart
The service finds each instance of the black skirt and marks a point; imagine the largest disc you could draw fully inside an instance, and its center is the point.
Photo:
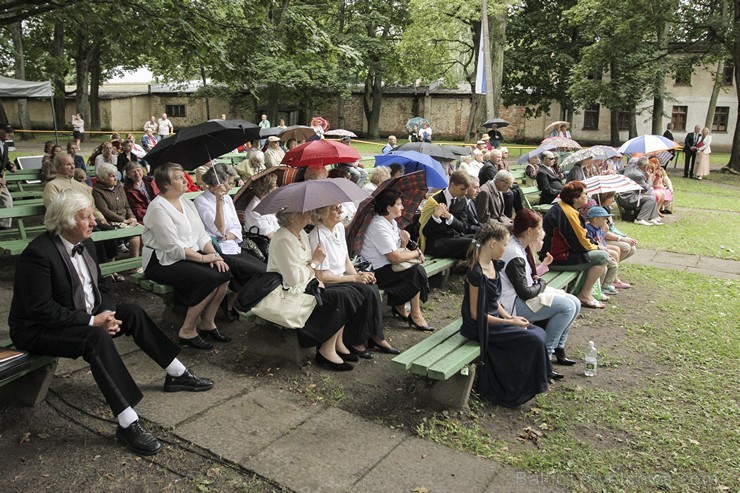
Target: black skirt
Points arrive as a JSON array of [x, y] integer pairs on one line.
[[402, 286], [368, 319], [242, 267], [340, 304], [192, 282]]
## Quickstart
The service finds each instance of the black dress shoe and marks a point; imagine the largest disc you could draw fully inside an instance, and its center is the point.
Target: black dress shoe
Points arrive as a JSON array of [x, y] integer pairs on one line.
[[197, 342], [343, 366], [561, 359], [383, 349], [366, 354], [214, 334], [231, 315], [187, 381], [138, 440], [423, 328], [556, 376], [351, 357]]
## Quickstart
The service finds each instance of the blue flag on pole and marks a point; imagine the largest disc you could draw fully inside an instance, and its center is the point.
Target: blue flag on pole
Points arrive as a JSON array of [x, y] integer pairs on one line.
[[480, 76]]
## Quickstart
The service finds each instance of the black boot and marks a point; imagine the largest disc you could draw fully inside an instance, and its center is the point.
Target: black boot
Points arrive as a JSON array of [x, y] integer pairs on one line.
[[562, 359]]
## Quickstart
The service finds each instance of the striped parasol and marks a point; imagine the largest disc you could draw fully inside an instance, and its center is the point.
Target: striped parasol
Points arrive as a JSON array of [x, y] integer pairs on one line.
[[609, 183], [413, 189], [648, 144]]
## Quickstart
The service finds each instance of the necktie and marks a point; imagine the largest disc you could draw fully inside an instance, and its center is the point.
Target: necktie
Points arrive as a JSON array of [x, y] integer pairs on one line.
[[452, 202], [77, 249]]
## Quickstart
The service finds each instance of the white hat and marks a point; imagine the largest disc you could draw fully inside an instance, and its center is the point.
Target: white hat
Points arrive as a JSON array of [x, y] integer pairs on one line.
[[272, 138]]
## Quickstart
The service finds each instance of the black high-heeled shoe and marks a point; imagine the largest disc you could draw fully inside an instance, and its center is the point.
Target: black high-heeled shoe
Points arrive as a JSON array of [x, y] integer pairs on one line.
[[197, 342], [231, 315], [343, 366], [365, 354], [387, 350], [349, 357], [395, 313], [423, 328], [562, 359], [214, 334]]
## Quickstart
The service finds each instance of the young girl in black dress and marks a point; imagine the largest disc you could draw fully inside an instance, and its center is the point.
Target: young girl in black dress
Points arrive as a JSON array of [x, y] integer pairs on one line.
[[515, 363]]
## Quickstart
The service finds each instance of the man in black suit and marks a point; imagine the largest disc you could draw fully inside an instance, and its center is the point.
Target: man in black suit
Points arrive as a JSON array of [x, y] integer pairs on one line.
[[668, 134], [62, 307], [549, 181], [689, 149], [445, 228]]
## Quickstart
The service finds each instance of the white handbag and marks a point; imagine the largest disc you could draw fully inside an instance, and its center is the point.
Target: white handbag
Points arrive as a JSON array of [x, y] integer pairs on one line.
[[286, 308]]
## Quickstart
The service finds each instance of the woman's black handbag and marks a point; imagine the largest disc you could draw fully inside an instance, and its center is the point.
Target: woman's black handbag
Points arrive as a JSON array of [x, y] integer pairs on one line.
[[256, 244]]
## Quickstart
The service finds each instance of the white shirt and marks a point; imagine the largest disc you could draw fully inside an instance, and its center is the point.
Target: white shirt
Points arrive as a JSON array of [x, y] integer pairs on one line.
[[266, 223], [165, 126], [78, 124], [472, 168], [508, 294], [349, 209], [205, 203], [100, 159], [381, 238], [335, 246], [78, 261], [290, 257], [273, 156], [169, 232], [150, 125]]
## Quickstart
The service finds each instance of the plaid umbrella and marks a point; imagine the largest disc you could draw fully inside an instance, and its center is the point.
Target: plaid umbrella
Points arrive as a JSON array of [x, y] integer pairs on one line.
[[412, 188], [340, 132], [561, 143], [320, 153]]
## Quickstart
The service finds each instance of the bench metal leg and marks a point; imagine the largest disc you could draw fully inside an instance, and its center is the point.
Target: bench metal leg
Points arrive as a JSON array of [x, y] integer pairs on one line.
[[455, 391], [30, 389]]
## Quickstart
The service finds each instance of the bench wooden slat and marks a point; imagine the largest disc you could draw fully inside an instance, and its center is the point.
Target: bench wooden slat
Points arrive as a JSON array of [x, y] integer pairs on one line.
[[23, 211], [120, 265], [116, 234], [455, 361], [37, 361], [404, 360], [421, 365]]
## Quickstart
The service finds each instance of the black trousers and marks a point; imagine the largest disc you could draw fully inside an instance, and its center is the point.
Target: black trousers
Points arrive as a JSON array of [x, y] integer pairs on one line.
[[449, 247], [688, 167], [96, 347]]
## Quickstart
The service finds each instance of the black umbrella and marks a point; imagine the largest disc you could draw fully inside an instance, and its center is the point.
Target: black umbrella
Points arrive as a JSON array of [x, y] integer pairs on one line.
[[459, 150], [268, 132], [499, 122], [436, 151], [196, 145]]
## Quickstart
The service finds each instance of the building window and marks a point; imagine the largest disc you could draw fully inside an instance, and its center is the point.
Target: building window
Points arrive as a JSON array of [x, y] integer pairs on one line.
[[176, 110], [721, 116], [683, 76], [591, 117], [728, 74], [624, 120], [678, 118]]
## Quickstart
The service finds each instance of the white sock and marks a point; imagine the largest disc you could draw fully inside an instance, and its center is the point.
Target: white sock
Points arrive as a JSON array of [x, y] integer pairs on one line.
[[127, 417], [175, 369]]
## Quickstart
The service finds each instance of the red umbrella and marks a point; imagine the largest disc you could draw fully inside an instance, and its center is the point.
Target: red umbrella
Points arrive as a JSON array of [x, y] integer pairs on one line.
[[413, 189], [320, 153]]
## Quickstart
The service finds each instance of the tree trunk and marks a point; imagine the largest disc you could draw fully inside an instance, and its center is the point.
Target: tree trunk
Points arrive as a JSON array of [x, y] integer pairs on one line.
[[273, 96], [477, 107], [633, 121], [16, 31], [58, 73], [82, 76], [95, 77], [498, 44], [734, 163], [718, 80], [614, 127], [205, 85], [659, 82], [371, 101]]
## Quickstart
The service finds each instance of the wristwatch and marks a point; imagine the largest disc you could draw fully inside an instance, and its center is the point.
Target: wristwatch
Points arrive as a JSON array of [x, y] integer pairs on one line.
[[314, 265]]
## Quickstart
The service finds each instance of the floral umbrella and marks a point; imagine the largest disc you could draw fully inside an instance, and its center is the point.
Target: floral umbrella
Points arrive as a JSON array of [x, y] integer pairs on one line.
[[417, 120], [561, 143], [339, 132]]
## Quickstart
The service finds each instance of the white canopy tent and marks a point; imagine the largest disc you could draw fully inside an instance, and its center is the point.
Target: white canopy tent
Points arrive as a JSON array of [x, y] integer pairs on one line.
[[17, 89]]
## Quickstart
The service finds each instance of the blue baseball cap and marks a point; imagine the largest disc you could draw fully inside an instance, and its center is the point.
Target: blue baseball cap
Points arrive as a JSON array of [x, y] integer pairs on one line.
[[597, 211]]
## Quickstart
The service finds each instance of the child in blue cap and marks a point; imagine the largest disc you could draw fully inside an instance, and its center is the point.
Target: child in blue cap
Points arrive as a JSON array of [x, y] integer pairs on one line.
[[596, 232]]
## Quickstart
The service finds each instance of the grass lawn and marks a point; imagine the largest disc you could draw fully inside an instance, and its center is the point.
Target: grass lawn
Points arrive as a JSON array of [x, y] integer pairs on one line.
[[661, 415]]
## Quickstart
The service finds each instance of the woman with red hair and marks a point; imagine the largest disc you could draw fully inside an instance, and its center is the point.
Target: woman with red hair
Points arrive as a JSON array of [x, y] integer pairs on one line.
[[565, 239]]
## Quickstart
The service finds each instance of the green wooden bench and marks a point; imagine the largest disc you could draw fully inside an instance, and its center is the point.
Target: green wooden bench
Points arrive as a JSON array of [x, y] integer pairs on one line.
[[533, 193], [28, 386], [446, 358], [121, 265], [19, 234], [567, 280], [433, 266]]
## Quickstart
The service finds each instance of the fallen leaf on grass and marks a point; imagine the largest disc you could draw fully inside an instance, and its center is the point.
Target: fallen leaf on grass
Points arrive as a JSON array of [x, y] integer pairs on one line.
[[693, 442], [421, 489], [529, 433], [25, 438], [213, 472]]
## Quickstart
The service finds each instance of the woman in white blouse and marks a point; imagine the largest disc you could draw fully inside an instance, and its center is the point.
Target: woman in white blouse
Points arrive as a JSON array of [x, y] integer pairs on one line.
[[384, 245], [217, 211], [254, 222], [179, 252], [291, 256], [337, 268]]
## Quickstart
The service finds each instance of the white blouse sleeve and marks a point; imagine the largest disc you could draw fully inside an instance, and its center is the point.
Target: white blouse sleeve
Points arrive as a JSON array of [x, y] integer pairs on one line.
[[290, 260]]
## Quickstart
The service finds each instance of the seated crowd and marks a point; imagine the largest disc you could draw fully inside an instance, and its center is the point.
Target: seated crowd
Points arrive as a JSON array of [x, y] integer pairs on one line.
[[199, 248]]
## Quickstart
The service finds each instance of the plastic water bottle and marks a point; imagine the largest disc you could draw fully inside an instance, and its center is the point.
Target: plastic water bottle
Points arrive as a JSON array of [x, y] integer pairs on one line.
[[591, 363]]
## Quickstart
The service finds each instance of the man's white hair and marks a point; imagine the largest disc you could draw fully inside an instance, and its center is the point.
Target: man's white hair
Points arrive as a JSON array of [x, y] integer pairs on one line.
[[62, 210]]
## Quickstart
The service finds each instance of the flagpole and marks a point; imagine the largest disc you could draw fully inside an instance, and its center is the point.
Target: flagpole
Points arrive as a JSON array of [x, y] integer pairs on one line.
[[486, 39]]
